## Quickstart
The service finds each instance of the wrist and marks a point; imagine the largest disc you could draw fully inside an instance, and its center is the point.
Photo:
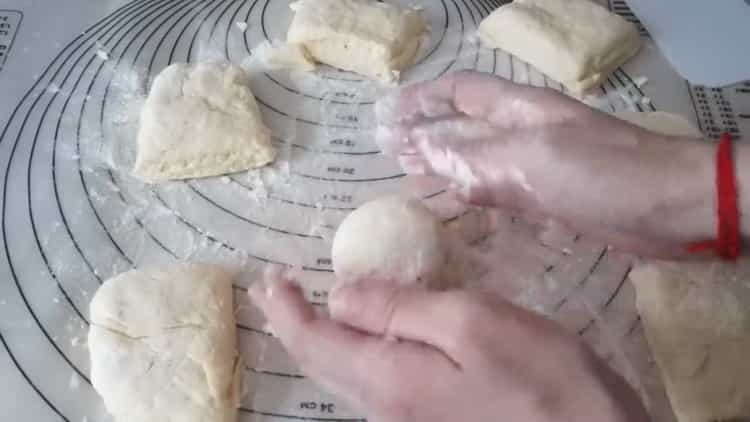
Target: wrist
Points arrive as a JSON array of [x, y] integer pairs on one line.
[[686, 210]]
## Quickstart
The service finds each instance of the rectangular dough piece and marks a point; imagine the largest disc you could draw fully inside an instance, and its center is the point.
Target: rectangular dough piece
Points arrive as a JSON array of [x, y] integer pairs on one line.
[[367, 37], [696, 317], [163, 345], [575, 42], [198, 121]]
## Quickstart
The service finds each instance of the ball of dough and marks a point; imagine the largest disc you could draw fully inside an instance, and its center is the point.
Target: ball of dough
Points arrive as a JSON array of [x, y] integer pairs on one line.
[[393, 238]]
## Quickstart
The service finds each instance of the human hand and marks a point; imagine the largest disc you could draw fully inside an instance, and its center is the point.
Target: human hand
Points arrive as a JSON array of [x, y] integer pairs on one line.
[[400, 353], [547, 156]]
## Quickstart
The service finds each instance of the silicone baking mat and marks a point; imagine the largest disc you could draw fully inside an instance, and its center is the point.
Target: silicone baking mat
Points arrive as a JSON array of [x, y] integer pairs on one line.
[[72, 77]]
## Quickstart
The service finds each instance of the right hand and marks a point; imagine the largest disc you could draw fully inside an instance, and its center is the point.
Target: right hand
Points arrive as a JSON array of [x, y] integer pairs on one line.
[[547, 156], [401, 353]]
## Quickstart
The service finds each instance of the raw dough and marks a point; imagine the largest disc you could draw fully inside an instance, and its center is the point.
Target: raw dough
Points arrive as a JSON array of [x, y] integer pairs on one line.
[[392, 238], [163, 347], [575, 42], [284, 56], [199, 121], [661, 122], [697, 321], [371, 38]]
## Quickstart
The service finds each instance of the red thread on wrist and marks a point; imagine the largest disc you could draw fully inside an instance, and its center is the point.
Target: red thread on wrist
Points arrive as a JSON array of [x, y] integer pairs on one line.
[[727, 243]]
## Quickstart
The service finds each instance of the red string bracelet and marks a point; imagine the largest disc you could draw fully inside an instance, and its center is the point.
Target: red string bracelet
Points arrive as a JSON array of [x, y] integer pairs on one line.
[[727, 243]]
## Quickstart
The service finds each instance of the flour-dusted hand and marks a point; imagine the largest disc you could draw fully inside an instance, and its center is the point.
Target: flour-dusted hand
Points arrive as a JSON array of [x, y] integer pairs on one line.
[[400, 353], [545, 155]]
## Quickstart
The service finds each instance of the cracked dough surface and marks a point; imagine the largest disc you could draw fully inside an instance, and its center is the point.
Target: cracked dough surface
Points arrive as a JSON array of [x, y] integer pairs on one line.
[[575, 42], [696, 316], [200, 120], [371, 38], [163, 347]]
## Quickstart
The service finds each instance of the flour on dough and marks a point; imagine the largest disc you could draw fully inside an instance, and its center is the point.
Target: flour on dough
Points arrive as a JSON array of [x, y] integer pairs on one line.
[[284, 56], [661, 122], [392, 238], [200, 120], [696, 316], [163, 347], [575, 42], [371, 38]]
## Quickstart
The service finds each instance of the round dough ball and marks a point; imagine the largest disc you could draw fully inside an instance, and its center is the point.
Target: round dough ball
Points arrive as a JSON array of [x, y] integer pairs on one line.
[[393, 238]]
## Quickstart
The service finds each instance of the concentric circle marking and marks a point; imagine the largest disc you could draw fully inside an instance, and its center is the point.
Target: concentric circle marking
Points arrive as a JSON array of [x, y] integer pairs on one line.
[[69, 221]]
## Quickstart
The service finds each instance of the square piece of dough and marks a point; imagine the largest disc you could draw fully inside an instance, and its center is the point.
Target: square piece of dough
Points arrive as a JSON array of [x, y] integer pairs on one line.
[[696, 317], [371, 38], [163, 347], [575, 42], [200, 120]]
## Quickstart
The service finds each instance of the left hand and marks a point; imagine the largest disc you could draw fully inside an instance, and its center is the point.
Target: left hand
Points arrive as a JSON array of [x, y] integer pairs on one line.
[[546, 156]]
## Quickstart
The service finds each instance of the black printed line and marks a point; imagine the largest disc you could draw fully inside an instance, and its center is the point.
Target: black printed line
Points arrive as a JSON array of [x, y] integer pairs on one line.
[[30, 382]]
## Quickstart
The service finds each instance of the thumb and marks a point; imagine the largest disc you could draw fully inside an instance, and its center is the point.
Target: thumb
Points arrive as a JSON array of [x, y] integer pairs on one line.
[[367, 371], [437, 319]]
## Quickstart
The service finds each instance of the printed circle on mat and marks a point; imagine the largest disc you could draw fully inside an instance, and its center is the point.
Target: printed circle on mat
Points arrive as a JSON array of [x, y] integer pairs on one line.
[[73, 216]]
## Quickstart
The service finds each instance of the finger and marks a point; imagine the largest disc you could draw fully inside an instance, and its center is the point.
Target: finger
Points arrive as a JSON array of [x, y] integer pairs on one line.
[[430, 99], [507, 104], [466, 92], [479, 95], [446, 320], [405, 312], [462, 161], [362, 368], [394, 140], [452, 131], [415, 165]]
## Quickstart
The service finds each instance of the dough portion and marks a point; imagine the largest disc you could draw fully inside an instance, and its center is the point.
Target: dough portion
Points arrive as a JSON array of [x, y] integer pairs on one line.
[[661, 122], [163, 347], [367, 37], [284, 56], [696, 316], [200, 120], [391, 238], [575, 42]]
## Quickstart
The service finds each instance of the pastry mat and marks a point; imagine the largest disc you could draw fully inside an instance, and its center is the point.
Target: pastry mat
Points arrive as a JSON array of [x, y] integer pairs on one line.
[[71, 79]]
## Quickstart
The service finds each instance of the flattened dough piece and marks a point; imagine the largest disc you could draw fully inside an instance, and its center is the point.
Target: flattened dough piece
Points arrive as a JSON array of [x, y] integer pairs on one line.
[[163, 347], [696, 317], [661, 122], [200, 120], [371, 38], [575, 42]]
